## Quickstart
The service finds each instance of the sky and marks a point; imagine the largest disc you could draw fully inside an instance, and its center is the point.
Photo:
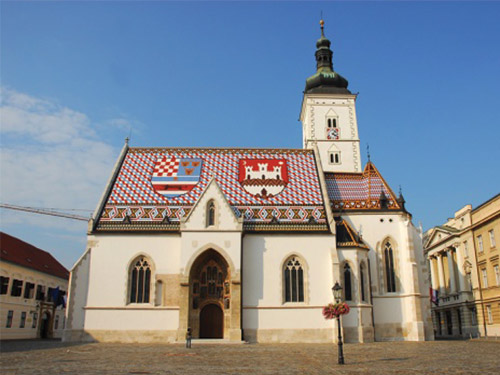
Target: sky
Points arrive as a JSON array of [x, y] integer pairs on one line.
[[77, 78]]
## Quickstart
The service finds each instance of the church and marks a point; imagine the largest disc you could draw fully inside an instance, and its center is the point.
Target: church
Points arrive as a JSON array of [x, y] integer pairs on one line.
[[246, 244]]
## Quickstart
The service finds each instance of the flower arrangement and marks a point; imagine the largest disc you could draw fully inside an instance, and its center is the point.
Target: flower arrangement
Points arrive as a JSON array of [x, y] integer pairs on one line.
[[333, 310]]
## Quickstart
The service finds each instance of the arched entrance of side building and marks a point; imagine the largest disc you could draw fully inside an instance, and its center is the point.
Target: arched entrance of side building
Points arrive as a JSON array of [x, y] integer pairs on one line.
[[210, 295], [45, 324]]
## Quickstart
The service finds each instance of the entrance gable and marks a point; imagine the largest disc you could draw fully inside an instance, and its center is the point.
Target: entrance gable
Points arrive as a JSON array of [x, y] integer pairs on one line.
[[212, 212]]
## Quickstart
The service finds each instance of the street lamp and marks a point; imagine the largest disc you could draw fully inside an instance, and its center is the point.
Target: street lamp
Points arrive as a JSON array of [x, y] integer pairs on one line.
[[337, 294]]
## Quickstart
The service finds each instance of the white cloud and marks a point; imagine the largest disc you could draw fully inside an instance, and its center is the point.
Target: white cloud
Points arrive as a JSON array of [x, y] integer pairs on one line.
[[51, 155]]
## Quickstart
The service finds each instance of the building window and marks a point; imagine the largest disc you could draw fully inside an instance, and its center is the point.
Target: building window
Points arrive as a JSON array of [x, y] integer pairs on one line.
[[480, 243], [293, 278], [490, 315], [35, 320], [492, 238], [497, 274], [50, 295], [363, 279], [466, 249], [4, 284], [210, 214], [40, 292], [140, 281], [10, 315], [332, 122], [29, 290], [390, 275], [335, 157], [347, 283], [23, 320], [485, 277], [17, 287]]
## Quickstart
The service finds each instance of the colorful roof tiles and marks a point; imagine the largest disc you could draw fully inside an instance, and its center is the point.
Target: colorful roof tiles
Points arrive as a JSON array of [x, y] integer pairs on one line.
[[262, 185], [360, 191]]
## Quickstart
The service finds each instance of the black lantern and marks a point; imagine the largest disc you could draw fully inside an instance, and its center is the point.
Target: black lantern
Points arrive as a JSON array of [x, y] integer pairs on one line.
[[337, 294]]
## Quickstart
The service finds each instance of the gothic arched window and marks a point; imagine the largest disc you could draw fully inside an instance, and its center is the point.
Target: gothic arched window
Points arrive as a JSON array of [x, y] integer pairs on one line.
[[390, 275], [293, 278], [362, 281], [210, 214], [347, 283], [140, 280]]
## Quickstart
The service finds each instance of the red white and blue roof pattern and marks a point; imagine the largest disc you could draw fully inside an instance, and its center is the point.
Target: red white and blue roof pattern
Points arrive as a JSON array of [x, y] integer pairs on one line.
[[134, 198], [360, 191]]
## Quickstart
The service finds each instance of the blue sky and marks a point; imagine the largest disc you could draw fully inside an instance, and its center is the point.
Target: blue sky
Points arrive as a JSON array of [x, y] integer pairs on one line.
[[78, 77]]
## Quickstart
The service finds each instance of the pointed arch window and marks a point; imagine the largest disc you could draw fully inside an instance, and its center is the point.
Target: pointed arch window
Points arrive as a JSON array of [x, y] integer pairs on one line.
[[390, 274], [210, 214], [140, 281], [362, 280], [332, 122], [293, 278], [347, 282]]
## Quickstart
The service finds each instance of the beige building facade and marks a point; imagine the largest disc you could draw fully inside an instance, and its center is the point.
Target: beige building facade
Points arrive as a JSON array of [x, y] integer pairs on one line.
[[463, 262], [32, 283]]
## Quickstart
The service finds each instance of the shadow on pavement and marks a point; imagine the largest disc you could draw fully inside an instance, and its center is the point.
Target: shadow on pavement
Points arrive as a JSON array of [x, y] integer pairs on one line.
[[9, 346]]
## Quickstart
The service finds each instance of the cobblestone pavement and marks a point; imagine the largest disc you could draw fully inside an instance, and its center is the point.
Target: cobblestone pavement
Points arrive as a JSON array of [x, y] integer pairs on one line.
[[438, 357]]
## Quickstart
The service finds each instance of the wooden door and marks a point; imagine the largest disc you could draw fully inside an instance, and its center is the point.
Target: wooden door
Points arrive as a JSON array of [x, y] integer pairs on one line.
[[211, 322]]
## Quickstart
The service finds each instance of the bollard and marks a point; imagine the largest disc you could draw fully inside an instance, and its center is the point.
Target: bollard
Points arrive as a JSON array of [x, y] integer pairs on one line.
[[188, 338]]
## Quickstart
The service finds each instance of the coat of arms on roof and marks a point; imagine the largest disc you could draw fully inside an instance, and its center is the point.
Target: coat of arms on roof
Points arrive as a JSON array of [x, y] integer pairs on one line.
[[263, 178], [175, 176]]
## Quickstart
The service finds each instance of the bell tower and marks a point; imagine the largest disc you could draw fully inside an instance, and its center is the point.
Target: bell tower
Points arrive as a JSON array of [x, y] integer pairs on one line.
[[328, 114]]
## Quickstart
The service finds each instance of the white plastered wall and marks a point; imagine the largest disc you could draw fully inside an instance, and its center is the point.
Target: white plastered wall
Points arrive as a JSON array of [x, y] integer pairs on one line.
[[263, 259]]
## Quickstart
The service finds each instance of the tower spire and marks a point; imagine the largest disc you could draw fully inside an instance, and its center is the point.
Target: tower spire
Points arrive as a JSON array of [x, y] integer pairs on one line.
[[326, 80]]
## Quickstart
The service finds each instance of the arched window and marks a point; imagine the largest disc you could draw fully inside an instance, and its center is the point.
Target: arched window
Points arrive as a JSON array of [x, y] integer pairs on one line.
[[140, 281], [293, 278], [390, 275], [347, 283], [362, 281], [210, 214]]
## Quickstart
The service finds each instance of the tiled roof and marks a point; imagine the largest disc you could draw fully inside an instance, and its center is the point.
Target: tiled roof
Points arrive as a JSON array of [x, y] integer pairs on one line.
[[23, 254], [346, 237], [293, 194], [360, 191]]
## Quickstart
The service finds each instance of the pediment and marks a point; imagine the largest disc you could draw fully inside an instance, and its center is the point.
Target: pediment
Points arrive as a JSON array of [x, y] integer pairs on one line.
[[224, 218]]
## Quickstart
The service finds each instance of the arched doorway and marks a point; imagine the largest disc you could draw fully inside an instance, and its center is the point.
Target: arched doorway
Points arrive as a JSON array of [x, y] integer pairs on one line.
[[44, 325], [211, 322], [210, 296]]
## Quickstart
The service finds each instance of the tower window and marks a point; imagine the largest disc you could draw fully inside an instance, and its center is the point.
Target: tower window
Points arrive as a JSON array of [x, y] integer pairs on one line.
[[331, 122], [335, 157], [210, 214]]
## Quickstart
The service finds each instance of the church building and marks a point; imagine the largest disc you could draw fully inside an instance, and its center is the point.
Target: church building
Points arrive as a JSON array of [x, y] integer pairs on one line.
[[246, 244]]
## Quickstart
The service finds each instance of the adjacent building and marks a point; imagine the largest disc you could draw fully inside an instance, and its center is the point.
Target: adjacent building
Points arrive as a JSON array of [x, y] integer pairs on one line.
[[463, 259], [33, 285], [246, 244]]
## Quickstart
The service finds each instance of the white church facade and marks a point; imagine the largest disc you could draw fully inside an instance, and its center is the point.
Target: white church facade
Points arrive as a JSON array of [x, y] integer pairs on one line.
[[246, 244]]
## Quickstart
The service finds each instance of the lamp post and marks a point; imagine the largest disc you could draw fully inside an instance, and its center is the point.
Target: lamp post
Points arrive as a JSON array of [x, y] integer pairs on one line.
[[337, 294]]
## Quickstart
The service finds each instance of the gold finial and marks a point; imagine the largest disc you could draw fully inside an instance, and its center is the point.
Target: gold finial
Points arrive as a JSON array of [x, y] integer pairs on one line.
[[322, 24]]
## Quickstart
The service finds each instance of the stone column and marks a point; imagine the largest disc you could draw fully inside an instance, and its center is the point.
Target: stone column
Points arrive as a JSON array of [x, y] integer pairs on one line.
[[451, 269], [442, 285], [432, 265], [462, 286]]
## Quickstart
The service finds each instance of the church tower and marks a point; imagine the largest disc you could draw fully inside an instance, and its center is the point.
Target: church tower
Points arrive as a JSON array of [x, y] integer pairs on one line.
[[328, 114]]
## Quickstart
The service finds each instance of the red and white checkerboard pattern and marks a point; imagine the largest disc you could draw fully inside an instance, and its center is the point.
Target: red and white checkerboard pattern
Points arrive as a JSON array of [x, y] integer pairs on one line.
[[166, 167], [358, 190], [133, 184]]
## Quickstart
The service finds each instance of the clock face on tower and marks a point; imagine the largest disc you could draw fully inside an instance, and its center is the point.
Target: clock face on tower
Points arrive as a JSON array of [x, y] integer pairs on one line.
[[332, 133]]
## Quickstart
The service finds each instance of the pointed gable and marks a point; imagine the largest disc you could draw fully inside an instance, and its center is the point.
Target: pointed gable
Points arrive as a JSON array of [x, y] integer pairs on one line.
[[346, 237], [360, 191]]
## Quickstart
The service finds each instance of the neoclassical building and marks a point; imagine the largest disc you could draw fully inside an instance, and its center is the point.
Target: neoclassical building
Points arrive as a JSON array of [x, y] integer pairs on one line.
[[246, 244], [463, 261]]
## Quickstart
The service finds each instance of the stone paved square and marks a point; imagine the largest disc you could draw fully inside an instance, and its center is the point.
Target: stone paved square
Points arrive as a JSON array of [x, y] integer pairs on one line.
[[438, 357]]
